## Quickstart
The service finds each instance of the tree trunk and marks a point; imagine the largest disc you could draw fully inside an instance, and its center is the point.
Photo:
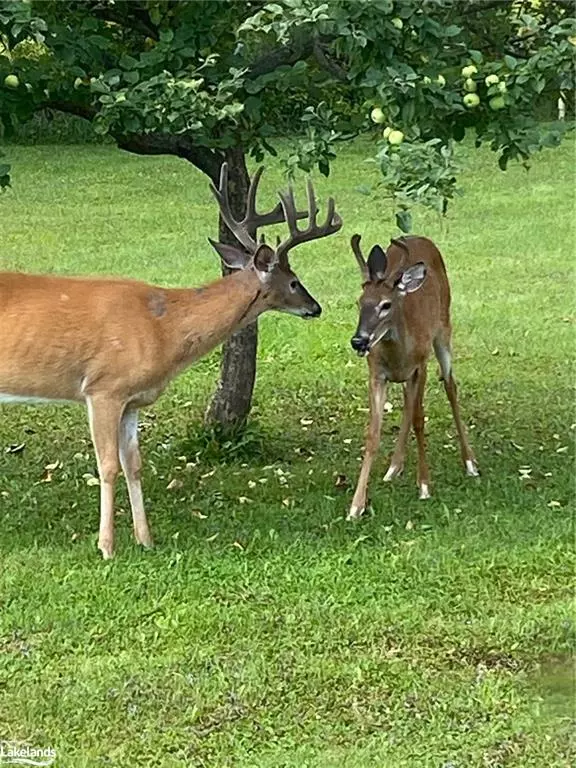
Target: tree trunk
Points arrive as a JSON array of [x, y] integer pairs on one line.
[[232, 399]]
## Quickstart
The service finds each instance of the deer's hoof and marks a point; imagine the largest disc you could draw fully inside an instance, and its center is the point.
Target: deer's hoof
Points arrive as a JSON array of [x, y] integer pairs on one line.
[[355, 512], [393, 471], [107, 550], [424, 491], [472, 468]]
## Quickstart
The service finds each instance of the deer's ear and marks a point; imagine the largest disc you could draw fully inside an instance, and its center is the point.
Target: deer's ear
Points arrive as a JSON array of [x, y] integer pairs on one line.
[[232, 257], [265, 259], [377, 263], [412, 278]]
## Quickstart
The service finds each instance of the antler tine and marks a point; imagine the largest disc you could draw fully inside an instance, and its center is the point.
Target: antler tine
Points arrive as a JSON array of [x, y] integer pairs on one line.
[[251, 196], [253, 219], [404, 257], [237, 228], [313, 210], [313, 231], [355, 245], [289, 209]]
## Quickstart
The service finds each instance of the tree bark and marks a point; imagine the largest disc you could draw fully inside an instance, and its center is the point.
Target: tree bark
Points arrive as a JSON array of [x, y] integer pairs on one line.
[[232, 399]]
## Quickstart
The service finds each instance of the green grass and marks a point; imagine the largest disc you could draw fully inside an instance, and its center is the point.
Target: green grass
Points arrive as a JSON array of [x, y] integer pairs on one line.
[[268, 632]]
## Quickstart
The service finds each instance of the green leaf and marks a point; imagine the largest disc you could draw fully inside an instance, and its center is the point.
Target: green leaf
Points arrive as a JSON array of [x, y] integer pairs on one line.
[[452, 30], [510, 62], [131, 77], [404, 220], [166, 35], [128, 62]]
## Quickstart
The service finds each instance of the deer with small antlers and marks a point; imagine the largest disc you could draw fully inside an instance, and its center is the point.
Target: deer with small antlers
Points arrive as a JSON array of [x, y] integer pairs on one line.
[[115, 344], [404, 314]]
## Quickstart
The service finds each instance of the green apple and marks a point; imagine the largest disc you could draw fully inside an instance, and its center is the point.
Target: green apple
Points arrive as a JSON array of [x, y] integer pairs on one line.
[[502, 87], [470, 85], [386, 132], [471, 100], [395, 138], [441, 80], [377, 116], [492, 80], [396, 22], [470, 70], [11, 81], [497, 102]]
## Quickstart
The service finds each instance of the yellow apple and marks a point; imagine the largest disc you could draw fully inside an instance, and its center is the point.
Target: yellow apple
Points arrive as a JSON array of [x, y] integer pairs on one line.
[[471, 100], [11, 81], [395, 138], [470, 70]]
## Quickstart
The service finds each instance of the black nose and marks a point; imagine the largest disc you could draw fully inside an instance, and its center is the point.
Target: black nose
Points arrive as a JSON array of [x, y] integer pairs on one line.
[[360, 342], [316, 311]]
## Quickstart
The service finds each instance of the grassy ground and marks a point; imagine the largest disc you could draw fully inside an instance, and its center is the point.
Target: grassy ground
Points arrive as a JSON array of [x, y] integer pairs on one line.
[[265, 631]]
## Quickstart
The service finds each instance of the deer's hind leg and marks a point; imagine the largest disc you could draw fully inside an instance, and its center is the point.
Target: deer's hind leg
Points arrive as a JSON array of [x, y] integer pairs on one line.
[[411, 388], [443, 352]]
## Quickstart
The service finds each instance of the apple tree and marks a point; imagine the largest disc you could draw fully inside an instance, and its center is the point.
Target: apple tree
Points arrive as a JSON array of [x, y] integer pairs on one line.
[[212, 81]]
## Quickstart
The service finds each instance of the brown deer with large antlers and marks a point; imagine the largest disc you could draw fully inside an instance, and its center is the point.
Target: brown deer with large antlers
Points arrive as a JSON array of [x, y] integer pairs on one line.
[[404, 314], [115, 344]]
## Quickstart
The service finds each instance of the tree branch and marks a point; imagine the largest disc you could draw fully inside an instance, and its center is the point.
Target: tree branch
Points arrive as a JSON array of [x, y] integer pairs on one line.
[[329, 65], [287, 54], [478, 6], [86, 111], [136, 17], [206, 160]]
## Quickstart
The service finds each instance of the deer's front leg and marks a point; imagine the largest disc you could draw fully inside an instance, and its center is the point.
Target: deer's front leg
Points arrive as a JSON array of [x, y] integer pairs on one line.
[[377, 398]]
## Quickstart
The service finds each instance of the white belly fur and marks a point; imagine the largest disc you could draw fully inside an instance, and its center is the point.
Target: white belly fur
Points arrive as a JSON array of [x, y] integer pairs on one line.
[[5, 397]]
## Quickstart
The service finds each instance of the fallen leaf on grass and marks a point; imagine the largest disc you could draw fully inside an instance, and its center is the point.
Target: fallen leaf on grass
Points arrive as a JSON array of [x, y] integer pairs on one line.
[[198, 514], [174, 484], [15, 448], [341, 481]]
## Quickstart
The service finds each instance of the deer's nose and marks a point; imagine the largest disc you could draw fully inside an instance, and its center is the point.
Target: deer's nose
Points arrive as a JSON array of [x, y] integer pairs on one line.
[[316, 310], [360, 342]]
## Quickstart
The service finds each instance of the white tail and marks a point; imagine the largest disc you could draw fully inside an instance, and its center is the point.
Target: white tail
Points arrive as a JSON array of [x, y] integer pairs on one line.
[[404, 314], [115, 344]]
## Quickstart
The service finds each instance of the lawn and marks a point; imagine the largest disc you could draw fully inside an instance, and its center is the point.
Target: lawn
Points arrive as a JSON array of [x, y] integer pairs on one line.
[[264, 631]]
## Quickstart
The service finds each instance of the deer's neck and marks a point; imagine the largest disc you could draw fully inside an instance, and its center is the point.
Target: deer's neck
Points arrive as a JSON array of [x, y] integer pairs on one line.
[[395, 352], [199, 319]]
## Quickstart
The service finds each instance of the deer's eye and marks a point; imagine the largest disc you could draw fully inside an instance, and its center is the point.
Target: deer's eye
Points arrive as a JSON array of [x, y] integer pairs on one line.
[[293, 285], [384, 307]]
